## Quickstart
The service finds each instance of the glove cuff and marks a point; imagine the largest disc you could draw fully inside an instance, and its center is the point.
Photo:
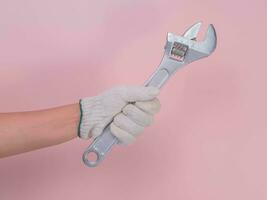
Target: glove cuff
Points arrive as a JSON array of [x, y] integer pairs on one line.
[[80, 121], [86, 104]]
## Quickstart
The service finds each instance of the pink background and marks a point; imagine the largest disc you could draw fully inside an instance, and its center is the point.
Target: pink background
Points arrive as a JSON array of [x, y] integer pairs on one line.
[[208, 142]]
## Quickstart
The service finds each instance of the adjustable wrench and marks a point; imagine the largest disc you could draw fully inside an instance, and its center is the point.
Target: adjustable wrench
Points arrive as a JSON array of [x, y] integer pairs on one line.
[[179, 51]]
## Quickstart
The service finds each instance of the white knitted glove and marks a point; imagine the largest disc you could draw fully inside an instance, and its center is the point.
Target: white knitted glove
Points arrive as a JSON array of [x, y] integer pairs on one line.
[[98, 111]]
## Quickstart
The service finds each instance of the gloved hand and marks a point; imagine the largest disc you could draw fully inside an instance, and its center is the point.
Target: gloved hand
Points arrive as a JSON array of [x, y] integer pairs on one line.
[[129, 120]]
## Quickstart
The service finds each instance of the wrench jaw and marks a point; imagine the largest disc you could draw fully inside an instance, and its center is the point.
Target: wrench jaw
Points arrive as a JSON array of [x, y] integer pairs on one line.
[[198, 50], [191, 33], [210, 42]]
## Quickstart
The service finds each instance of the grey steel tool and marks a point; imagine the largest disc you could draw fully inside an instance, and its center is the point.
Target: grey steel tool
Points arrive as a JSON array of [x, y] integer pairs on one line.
[[179, 51]]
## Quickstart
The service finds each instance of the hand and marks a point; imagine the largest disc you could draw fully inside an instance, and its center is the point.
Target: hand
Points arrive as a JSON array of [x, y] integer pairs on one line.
[[129, 119]]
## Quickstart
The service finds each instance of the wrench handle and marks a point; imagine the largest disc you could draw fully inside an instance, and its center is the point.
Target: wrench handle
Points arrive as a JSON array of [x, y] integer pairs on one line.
[[100, 147], [104, 143]]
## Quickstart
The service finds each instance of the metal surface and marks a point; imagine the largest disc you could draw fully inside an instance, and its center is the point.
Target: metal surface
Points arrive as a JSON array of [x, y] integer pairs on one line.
[[179, 51]]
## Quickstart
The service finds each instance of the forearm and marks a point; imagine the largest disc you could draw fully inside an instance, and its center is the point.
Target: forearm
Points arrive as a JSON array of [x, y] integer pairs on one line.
[[26, 131]]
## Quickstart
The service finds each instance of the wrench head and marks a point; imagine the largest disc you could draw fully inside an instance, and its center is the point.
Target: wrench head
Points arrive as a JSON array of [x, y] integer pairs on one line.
[[186, 49]]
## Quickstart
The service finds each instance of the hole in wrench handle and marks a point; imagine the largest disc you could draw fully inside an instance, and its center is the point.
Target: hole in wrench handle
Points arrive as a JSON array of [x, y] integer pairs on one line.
[[100, 146]]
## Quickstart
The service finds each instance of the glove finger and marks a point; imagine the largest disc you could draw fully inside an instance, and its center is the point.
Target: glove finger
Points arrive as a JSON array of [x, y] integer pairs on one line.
[[151, 107], [137, 115], [127, 124], [123, 136], [97, 130], [139, 93]]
